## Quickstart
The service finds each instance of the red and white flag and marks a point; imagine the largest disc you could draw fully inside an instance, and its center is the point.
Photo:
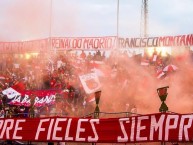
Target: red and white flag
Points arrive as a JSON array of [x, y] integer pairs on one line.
[[90, 82], [14, 91], [170, 68], [19, 86], [11, 93], [160, 74]]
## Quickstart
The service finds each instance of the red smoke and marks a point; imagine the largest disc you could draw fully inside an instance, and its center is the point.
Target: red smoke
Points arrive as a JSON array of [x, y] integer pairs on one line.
[[141, 88], [25, 20]]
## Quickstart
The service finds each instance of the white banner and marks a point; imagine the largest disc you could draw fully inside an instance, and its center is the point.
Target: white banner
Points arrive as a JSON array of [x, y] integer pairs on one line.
[[11, 93], [90, 82]]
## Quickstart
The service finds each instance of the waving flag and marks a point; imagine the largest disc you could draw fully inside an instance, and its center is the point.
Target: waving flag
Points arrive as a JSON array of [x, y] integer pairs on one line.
[[170, 68], [19, 86], [90, 83], [11, 93], [160, 74]]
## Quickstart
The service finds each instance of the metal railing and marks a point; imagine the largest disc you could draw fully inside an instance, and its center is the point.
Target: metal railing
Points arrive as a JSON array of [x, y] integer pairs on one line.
[[112, 114]]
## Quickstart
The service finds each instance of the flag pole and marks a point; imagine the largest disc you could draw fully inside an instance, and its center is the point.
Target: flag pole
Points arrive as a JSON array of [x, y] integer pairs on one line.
[[50, 27], [117, 23]]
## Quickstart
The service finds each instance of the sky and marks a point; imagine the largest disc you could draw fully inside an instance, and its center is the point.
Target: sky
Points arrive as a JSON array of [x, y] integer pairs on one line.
[[22, 20]]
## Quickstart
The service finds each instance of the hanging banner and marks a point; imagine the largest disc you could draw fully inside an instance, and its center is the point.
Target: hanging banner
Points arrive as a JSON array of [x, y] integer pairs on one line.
[[25, 46], [86, 43], [164, 41], [40, 97], [94, 43], [135, 129]]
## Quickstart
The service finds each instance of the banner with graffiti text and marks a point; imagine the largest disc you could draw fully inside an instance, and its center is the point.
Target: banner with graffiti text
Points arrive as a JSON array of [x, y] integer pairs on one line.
[[135, 129], [163, 41], [25, 46], [94, 43], [84, 43], [25, 97]]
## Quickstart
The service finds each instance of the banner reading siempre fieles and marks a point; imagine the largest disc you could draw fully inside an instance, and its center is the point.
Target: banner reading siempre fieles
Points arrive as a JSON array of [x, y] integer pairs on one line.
[[145, 128]]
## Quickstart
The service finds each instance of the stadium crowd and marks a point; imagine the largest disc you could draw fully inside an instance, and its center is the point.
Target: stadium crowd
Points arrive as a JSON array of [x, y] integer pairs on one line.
[[61, 72]]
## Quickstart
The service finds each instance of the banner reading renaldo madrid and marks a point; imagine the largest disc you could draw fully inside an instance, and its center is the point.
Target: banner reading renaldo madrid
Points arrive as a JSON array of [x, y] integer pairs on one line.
[[145, 128], [93, 43]]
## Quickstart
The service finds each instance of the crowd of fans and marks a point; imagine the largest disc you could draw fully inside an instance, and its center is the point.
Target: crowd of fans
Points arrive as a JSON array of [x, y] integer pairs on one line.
[[44, 72], [61, 72]]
